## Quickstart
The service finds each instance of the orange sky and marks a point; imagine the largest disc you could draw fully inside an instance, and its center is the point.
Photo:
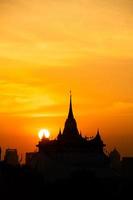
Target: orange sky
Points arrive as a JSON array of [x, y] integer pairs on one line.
[[50, 47]]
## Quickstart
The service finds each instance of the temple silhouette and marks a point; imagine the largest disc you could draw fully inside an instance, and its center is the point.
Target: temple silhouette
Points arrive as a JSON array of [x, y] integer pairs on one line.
[[70, 140], [68, 153]]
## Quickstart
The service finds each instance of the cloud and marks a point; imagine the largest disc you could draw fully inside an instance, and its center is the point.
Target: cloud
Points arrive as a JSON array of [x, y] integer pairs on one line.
[[123, 108], [41, 32], [17, 98]]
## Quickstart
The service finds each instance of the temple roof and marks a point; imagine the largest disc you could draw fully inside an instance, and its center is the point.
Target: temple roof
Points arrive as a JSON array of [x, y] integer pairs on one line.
[[70, 131], [70, 114], [70, 138]]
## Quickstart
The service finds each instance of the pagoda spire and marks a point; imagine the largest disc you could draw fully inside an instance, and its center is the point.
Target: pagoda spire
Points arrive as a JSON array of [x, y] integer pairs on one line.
[[70, 132], [70, 114], [98, 132]]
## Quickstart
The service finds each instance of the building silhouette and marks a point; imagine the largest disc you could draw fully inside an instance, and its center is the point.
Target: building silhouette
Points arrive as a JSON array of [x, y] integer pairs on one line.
[[70, 139], [70, 152], [11, 157], [115, 159], [127, 167]]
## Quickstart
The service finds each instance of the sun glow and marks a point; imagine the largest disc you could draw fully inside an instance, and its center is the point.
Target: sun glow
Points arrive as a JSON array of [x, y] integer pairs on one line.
[[44, 133]]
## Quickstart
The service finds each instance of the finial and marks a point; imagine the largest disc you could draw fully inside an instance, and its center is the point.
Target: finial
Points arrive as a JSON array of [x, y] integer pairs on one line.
[[70, 114], [98, 131]]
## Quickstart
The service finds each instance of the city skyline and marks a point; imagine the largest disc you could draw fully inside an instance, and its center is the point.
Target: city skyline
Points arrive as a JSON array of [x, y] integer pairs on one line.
[[48, 48], [44, 132]]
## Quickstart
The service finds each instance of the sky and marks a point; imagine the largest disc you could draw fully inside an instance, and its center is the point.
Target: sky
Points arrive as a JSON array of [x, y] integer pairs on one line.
[[49, 47]]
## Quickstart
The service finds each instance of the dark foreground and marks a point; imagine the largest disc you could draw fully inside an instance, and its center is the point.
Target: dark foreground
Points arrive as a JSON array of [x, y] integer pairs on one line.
[[22, 183]]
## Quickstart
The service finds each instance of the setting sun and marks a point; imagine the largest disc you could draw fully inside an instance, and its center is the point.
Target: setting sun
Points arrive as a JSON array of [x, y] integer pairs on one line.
[[44, 133]]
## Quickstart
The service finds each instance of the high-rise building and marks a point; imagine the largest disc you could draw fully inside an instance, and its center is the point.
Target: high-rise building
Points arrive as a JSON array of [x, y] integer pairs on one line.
[[11, 157]]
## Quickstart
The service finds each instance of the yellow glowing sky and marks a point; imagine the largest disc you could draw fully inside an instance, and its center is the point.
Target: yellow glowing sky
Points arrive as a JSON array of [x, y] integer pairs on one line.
[[48, 47]]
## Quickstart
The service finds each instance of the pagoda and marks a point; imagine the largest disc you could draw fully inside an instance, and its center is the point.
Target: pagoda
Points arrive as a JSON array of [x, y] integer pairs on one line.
[[70, 140]]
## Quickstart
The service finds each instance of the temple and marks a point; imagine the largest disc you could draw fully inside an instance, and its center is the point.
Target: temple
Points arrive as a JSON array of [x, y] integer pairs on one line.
[[69, 153], [70, 140]]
